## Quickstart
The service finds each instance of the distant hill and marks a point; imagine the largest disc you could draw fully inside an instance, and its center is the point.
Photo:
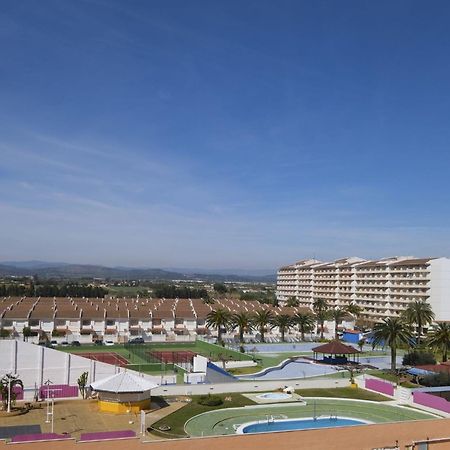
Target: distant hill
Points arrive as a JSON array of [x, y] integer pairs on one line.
[[79, 271]]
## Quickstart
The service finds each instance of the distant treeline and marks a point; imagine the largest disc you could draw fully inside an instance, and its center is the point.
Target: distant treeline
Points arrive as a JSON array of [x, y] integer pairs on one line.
[[171, 291], [51, 290], [261, 297]]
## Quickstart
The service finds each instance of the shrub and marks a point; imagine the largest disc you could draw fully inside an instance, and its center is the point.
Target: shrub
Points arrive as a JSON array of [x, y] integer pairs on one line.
[[418, 359], [4, 333], [210, 400], [440, 379], [57, 333]]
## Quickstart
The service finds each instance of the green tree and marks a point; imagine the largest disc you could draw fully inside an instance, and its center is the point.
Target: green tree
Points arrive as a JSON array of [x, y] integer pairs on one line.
[[82, 382], [292, 302], [7, 384], [439, 339], [305, 322], [321, 310], [219, 319], [393, 332], [338, 315], [26, 333], [419, 313], [220, 288], [262, 320], [243, 321], [283, 322]]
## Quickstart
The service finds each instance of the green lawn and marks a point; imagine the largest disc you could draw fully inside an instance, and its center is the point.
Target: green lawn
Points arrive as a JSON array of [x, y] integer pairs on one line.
[[177, 419], [345, 392]]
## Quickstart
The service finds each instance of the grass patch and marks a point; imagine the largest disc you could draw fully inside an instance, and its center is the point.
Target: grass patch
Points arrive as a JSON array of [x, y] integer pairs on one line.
[[345, 392], [245, 370], [177, 419], [392, 377]]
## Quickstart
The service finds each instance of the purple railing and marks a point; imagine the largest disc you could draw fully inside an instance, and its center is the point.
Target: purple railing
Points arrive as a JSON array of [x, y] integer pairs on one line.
[[58, 391], [379, 386], [39, 437], [432, 401], [104, 435], [18, 391]]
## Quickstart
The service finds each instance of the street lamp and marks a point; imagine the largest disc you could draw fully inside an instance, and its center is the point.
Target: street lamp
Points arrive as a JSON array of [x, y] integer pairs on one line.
[[9, 391]]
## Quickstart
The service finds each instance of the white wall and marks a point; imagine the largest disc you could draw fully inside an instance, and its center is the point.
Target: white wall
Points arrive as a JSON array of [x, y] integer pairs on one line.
[[36, 364], [440, 288]]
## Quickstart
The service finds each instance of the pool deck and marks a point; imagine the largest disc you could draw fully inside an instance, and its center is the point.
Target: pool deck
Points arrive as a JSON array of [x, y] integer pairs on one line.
[[364, 437], [264, 401], [226, 421]]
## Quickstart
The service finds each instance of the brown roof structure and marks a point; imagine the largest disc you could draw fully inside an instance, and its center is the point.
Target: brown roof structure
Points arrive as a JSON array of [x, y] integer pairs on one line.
[[335, 347]]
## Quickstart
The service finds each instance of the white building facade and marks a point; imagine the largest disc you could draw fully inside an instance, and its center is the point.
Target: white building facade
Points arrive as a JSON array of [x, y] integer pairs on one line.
[[381, 288]]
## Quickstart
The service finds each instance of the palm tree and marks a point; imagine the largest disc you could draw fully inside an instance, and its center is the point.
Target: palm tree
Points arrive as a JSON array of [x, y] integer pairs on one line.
[[320, 307], [219, 319], [393, 331], [7, 384], [338, 315], [419, 312], [354, 310], [440, 338], [82, 382], [261, 320], [305, 322], [283, 322], [243, 321]]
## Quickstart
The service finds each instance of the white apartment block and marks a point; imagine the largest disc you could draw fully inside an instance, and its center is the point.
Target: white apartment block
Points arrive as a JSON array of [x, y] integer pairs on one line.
[[382, 288]]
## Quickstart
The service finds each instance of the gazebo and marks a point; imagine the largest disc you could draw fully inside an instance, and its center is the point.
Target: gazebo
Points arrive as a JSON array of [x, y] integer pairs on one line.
[[123, 392], [335, 352]]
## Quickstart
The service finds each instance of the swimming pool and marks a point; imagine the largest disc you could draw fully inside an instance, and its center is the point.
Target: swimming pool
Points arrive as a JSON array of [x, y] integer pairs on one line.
[[274, 396], [298, 424], [291, 369]]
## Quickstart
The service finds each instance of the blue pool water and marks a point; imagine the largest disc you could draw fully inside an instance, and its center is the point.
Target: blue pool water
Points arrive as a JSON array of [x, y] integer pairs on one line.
[[299, 424]]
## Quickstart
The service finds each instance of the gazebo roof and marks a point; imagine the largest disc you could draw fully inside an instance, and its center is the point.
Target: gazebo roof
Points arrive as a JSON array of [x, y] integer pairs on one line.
[[335, 347], [123, 382]]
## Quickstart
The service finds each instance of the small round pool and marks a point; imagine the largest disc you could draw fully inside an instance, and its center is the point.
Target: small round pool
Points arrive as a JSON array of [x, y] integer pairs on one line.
[[264, 426], [274, 396]]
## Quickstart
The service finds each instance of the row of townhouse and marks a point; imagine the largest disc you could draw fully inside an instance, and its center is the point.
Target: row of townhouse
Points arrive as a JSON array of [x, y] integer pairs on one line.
[[118, 320], [382, 288]]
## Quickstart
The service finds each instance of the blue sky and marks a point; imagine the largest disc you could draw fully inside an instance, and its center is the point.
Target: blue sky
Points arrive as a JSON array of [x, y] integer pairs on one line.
[[242, 134]]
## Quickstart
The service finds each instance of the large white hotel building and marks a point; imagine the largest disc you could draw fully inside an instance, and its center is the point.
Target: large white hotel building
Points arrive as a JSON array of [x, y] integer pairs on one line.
[[382, 288]]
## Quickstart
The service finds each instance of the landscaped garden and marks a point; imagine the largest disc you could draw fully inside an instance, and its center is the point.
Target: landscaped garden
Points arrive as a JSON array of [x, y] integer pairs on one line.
[[222, 417]]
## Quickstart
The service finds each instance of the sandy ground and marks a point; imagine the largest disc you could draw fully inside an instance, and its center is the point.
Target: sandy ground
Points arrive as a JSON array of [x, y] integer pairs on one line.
[[82, 416]]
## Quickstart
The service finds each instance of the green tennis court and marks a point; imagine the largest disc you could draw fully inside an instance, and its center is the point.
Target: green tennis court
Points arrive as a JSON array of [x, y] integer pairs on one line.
[[225, 421]]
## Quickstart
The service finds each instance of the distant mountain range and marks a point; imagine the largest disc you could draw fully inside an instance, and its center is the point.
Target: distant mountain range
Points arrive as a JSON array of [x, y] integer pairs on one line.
[[77, 271]]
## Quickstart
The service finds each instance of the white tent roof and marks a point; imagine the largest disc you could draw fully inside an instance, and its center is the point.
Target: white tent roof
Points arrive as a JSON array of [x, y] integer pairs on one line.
[[123, 382]]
